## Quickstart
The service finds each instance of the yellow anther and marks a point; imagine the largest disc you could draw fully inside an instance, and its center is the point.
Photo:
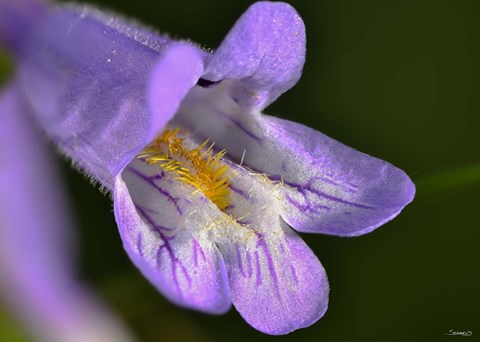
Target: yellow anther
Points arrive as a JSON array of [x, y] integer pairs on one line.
[[198, 167]]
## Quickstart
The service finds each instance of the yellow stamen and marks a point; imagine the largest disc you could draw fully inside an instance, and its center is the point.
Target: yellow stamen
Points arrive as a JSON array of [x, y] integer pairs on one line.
[[201, 169]]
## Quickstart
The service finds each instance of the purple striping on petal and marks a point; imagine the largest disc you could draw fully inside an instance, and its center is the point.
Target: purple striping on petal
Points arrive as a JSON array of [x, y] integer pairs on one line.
[[140, 245], [174, 261], [239, 125], [159, 176], [332, 198], [158, 228], [196, 249], [249, 264], [308, 207], [271, 267], [150, 180], [166, 245], [341, 178], [159, 255], [294, 274], [308, 188], [154, 212], [195, 253], [346, 187], [292, 268], [239, 261], [259, 271], [352, 185], [239, 191], [184, 271]]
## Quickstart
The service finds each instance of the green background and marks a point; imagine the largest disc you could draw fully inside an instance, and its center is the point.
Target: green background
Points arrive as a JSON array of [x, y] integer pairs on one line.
[[395, 79]]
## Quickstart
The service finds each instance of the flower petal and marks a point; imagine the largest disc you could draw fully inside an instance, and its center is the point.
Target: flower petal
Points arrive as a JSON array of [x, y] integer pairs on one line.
[[156, 219], [102, 88], [329, 188], [277, 283], [173, 76], [17, 18], [36, 248], [265, 50], [33, 209]]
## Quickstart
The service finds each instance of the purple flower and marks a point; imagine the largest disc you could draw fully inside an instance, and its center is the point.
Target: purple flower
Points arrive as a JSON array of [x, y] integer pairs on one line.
[[206, 189]]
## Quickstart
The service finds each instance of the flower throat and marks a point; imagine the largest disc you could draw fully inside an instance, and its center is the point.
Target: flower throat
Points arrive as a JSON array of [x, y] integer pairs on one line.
[[199, 167]]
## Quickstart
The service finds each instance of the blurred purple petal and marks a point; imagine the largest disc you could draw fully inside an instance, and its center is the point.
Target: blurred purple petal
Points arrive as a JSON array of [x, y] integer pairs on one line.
[[17, 20], [36, 250]]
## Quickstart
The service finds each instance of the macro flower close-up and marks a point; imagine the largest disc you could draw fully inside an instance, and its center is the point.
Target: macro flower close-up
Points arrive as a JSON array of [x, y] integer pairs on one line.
[[206, 189], [209, 193]]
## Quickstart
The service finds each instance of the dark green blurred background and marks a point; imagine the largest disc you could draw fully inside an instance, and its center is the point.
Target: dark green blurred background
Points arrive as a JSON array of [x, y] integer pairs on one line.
[[395, 79]]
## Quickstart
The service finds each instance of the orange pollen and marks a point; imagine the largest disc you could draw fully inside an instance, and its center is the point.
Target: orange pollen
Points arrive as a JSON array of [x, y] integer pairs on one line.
[[199, 167]]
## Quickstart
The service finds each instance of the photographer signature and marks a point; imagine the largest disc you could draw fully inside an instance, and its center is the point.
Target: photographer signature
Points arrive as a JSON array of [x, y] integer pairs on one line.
[[452, 332]]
